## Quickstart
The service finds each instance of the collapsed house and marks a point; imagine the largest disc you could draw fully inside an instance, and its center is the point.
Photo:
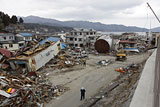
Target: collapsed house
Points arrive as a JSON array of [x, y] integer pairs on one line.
[[36, 57]]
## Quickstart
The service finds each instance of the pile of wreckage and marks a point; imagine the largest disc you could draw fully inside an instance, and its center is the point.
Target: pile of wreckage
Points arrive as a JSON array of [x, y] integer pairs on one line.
[[31, 90], [38, 55], [20, 84], [64, 60], [29, 57], [129, 68]]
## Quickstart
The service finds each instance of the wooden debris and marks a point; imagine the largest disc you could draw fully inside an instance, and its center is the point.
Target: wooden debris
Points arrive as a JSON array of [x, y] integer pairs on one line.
[[28, 92]]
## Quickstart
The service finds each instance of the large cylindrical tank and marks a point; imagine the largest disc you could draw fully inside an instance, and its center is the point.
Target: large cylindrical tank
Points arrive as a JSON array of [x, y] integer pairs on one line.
[[103, 44]]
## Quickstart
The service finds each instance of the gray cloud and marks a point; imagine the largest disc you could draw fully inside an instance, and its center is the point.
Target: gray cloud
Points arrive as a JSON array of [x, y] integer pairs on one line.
[[106, 11]]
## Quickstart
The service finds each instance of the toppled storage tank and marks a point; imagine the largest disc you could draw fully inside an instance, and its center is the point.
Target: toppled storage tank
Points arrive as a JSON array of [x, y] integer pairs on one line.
[[103, 44]]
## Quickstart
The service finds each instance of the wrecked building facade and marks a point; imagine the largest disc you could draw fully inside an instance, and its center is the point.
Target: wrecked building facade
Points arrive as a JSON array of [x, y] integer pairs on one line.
[[32, 61], [81, 37]]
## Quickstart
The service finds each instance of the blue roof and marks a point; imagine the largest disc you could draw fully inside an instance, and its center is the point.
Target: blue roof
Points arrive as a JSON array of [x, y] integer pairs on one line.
[[131, 49], [25, 34], [63, 45], [52, 39]]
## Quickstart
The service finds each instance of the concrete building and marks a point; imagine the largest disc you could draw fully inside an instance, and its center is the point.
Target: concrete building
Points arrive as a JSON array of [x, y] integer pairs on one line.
[[32, 60], [81, 37], [126, 36]]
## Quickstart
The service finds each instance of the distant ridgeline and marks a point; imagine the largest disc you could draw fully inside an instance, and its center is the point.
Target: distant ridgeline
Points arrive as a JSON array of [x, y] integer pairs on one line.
[[50, 29], [6, 20], [84, 24]]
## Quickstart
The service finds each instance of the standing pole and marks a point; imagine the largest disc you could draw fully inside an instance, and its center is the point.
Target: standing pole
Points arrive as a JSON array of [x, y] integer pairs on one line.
[[153, 12]]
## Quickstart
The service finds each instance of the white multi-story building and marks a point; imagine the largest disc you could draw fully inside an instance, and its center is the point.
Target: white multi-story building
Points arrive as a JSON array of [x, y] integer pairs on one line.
[[80, 37]]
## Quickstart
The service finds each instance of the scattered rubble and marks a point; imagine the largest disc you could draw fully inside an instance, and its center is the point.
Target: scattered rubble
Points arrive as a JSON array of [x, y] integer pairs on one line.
[[32, 90], [129, 68]]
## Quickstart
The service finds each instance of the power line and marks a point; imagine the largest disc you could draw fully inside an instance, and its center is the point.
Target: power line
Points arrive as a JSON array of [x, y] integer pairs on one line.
[[153, 12]]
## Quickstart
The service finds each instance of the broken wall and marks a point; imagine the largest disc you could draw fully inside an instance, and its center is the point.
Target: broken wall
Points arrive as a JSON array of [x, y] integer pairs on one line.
[[46, 55]]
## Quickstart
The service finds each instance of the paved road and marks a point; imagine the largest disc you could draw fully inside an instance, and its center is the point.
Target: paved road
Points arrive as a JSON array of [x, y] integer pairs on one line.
[[93, 78]]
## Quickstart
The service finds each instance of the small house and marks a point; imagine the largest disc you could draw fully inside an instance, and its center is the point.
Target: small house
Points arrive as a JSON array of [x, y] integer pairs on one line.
[[24, 37], [7, 37]]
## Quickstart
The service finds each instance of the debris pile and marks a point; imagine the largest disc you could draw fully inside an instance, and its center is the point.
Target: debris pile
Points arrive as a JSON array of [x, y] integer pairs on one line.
[[129, 68], [32, 90], [64, 60]]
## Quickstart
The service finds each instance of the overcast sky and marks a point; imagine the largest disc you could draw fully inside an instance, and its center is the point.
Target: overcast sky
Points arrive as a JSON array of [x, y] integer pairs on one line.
[[126, 12]]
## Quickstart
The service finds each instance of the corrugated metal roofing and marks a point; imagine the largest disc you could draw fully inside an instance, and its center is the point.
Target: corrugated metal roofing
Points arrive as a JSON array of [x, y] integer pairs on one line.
[[25, 34], [52, 39]]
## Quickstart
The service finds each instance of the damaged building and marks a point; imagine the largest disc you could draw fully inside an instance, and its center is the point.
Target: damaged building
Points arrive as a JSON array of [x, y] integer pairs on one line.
[[35, 57]]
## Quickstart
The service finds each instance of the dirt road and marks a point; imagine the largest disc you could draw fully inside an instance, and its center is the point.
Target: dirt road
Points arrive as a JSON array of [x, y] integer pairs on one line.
[[92, 77]]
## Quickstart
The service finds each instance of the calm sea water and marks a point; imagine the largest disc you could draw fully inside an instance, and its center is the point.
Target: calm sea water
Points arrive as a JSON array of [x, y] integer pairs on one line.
[[119, 33]]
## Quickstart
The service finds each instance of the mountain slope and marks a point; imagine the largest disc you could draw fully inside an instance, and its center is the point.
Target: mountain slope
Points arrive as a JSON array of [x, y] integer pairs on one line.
[[51, 29], [39, 20], [84, 24], [157, 29]]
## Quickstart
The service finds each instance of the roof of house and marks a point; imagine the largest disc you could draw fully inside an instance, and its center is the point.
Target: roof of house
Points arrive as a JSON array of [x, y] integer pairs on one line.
[[26, 34], [6, 34], [52, 39]]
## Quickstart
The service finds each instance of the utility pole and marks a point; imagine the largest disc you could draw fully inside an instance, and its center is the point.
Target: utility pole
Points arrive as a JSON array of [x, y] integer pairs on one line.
[[153, 12]]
